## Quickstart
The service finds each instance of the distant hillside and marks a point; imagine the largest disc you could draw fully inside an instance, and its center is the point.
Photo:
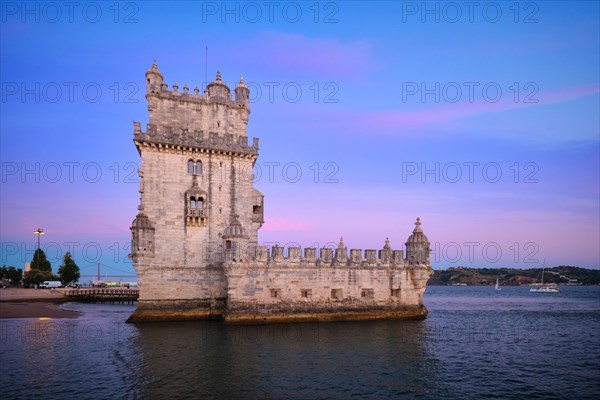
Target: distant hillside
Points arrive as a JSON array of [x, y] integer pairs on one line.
[[510, 276]]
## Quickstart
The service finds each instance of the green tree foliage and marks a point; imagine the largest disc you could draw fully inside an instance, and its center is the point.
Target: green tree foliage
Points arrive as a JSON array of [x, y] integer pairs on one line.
[[35, 277], [68, 271], [40, 262], [11, 274]]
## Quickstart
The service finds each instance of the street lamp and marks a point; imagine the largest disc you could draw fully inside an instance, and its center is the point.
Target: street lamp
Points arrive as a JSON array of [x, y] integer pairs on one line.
[[39, 233]]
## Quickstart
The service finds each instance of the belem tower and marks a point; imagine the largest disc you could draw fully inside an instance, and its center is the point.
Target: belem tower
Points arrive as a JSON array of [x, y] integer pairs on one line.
[[195, 239]]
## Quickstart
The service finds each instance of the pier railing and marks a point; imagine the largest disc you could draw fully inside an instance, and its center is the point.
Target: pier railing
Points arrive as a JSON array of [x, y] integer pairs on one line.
[[112, 295]]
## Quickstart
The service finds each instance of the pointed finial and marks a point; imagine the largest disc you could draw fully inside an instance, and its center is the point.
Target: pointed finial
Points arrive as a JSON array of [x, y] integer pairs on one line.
[[218, 76], [154, 69], [387, 244], [418, 226], [242, 83], [341, 244]]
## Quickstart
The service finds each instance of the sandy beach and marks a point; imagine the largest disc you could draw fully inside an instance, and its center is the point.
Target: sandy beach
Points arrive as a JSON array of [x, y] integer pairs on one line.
[[33, 303]]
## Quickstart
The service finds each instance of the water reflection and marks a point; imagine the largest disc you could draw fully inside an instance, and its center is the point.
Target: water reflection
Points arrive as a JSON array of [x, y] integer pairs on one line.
[[473, 344], [366, 359]]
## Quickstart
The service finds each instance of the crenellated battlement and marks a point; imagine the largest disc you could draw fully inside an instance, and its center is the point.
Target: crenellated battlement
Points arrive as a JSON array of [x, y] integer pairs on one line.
[[195, 96], [215, 92], [214, 120], [177, 136], [357, 258]]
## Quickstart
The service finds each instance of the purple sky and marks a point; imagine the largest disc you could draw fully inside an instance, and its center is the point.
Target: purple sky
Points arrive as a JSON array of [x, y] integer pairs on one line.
[[483, 122]]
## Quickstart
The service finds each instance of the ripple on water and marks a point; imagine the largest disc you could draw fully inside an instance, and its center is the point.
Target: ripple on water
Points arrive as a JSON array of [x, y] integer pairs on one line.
[[473, 344]]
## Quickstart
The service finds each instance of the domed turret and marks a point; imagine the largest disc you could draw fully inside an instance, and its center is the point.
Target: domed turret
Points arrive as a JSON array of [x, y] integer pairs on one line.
[[234, 236], [217, 90], [153, 79], [142, 236], [141, 221], [235, 230], [417, 246]]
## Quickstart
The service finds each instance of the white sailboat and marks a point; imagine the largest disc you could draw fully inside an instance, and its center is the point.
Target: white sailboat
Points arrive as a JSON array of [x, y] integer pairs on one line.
[[497, 287], [545, 289]]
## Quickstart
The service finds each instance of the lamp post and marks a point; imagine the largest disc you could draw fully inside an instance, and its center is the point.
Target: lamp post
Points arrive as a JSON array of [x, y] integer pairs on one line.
[[39, 233]]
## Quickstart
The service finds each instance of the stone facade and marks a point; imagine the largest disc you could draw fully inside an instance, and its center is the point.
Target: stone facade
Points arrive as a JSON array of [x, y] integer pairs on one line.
[[195, 239]]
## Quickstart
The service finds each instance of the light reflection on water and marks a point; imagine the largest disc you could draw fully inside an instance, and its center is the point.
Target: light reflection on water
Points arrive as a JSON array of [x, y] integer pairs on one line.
[[475, 343]]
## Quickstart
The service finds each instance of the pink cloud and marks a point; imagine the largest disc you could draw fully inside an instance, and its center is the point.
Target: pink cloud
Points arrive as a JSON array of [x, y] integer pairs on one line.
[[286, 224], [386, 122], [313, 56]]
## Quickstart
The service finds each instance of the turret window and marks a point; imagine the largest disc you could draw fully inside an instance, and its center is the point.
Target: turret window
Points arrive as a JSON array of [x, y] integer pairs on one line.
[[196, 213], [194, 167], [196, 202]]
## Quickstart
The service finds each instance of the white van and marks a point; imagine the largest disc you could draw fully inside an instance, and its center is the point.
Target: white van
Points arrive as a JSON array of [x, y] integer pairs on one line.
[[50, 284]]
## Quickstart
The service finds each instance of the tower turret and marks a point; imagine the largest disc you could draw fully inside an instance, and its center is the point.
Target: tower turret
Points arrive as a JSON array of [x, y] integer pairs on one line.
[[234, 240], [242, 94], [218, 90], [417, 246], [153, 79], [142, 238]]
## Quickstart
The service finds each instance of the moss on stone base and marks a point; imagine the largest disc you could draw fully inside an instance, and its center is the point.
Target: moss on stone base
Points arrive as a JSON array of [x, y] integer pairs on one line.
[[178, 310], [254, 318]]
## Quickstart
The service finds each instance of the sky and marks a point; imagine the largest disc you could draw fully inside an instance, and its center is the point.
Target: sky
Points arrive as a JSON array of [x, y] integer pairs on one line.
[[480, 118]]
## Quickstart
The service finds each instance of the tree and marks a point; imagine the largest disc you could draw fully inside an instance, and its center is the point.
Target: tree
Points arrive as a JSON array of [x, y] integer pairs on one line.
[[35, 277], [11, 273], [68, 271], [40, 262]]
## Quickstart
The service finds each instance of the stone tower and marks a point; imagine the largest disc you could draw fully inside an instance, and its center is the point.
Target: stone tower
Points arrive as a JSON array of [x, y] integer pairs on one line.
[[196, 196], [195, 238]]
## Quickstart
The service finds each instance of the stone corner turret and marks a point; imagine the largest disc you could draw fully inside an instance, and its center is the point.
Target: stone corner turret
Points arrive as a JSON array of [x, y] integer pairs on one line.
[[418, 247], [154, 80]]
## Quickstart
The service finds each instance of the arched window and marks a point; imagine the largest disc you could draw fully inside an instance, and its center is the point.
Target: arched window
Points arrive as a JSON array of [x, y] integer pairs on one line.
[[199, 167], [200, 202], [190, 167], [193, 202]]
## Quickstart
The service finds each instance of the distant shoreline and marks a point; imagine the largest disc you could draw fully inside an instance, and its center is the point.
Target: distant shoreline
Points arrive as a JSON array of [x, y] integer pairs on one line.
[[560, 275]]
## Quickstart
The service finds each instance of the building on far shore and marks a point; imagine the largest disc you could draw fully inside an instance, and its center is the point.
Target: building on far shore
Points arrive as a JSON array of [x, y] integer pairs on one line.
[[195, 239]]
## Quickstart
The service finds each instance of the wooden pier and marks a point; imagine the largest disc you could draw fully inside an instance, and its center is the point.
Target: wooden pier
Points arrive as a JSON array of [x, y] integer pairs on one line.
[[110, 295]]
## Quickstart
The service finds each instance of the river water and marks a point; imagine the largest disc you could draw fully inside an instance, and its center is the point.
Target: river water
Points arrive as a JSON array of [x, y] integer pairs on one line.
[[475, 343]]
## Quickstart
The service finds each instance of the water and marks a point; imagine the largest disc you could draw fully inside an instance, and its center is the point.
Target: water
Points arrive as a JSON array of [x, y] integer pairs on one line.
[[475, 343]]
